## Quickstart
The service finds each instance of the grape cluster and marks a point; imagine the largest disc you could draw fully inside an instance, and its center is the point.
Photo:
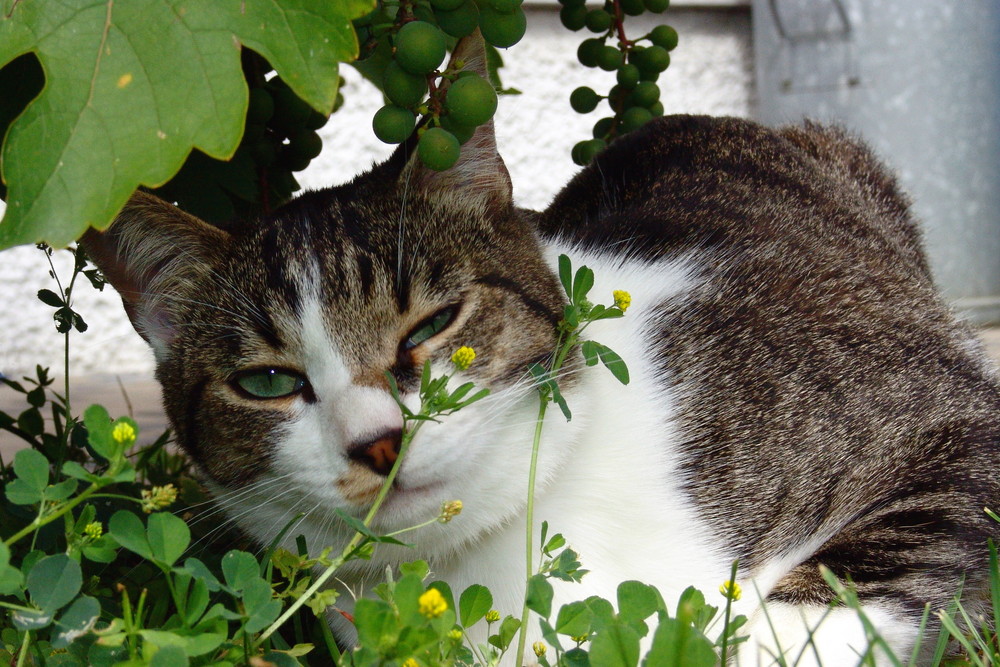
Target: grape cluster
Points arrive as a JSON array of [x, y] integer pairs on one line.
[[279, 138], [638, 63], [412, 38]]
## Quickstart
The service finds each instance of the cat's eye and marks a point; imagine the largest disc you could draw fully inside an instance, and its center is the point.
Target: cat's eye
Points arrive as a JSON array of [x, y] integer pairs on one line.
[[430, 327], [270, 383]]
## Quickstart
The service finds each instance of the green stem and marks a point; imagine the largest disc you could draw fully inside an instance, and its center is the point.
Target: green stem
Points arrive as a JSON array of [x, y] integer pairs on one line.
[[22, 655], [40, 521], [729, 607], [543, 405], [342, 558]]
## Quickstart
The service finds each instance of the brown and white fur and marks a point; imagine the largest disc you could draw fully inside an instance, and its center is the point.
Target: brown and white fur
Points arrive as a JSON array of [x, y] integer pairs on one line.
[[800, 394]]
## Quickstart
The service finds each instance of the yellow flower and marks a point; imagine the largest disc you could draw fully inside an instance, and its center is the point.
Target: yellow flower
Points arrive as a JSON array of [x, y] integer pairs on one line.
[[93, 530], [410, 662], [123, 433], [158, 497], [731, 590], [622, 299], [539, 648], [449, 510], [432, 603], [454, 634], [463, 357], [492, 616]]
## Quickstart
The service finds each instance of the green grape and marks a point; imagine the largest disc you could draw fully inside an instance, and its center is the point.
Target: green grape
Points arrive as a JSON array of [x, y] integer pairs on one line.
[[317, 120], [422, 12], [584, 99], [585, 151], [305, 143], [589, 51], [656, 109], [628, 75], [573, 17], [471, 101], [420, 47], [598, 20], [446, 5], [462, 132], [617, 96], [263, 151], [651, 59], [632, 7], [635, 118], [645, 94], [665, 36], [402, 88], [290, 111], [438, 148], [656, 6], [292, 160], [502, 29], [610, 59], [261, 106], [504, 6], [603, 127], [393, 124], [461, 21]]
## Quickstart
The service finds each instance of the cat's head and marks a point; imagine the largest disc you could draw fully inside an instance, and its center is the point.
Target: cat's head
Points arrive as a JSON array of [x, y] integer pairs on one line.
[[273, 341]]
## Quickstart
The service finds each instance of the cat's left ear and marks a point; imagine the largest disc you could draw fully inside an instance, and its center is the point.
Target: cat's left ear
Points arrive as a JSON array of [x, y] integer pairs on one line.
[[479, 176]]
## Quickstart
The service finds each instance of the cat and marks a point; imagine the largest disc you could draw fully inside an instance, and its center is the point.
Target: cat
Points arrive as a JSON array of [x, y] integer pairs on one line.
[[800, 395]]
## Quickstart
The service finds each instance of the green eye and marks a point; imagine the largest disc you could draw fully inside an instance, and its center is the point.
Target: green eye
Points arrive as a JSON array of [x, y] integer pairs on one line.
[[271, 383], [430, 327]]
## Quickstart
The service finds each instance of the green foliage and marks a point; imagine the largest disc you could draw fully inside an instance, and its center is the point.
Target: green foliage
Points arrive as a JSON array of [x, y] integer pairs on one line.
[[107, 120]]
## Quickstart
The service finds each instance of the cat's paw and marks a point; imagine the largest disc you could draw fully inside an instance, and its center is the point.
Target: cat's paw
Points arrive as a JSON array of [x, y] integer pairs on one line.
[[816, 636]]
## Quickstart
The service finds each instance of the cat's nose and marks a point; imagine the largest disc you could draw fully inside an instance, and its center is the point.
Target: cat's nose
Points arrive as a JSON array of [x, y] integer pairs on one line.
[[379, 453]]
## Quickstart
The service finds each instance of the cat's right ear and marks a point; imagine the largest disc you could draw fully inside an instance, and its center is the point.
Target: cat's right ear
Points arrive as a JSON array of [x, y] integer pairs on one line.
[[150, 250]]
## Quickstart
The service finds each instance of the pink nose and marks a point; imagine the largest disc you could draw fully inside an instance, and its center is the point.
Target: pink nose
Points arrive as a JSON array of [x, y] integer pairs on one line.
[[380, 453]]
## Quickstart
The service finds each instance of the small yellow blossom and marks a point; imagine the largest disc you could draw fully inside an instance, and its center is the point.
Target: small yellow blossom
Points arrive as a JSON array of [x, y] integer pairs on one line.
[[622, 299], [123, 433], [93, 530], [463, 357], [579, 639], [158, 497], [410, 662], [539, 648], [432, 603], [449, 510], [492, 616], [731, 590], [454, 634]]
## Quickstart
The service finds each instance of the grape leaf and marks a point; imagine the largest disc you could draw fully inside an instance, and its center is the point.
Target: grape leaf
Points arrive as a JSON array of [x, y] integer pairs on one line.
[[131, 87]]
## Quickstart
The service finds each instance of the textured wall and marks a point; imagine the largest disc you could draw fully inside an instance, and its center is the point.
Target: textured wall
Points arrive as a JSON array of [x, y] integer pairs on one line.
[[711, 73]]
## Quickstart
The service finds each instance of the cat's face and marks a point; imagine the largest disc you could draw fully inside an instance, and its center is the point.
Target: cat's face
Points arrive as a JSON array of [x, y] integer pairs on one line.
[[273, 344]]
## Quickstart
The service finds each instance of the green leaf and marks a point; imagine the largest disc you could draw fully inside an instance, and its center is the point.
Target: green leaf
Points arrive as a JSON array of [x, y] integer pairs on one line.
[[30, 421], [98, 423], [508, 628], [128, 531], [132, 87], [21, 493], [169, 656], [54, 581], [539, 597], [636, 600], [574, 619], [375, 622], [405, 595], [11, 580], [197, 602], [31, 620], [261, 608], [60, 491], [417, 567], [590, 353], [473, 604], [566, 275], [32, 468], [613, 363], [200, 571], [582, 284], [50, 298], [679, 643], [76, 621], [239, 568], [617, 645], [168, 537]]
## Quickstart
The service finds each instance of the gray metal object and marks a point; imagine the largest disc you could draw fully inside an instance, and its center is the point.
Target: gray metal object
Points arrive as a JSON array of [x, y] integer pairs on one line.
[[920, 81]]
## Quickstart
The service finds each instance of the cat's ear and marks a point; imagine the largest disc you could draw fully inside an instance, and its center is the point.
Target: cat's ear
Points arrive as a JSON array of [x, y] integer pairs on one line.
[[150, 250], [479, 175]]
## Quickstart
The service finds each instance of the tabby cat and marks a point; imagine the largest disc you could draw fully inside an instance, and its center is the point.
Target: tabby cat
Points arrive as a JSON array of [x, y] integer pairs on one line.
[[800, 394]]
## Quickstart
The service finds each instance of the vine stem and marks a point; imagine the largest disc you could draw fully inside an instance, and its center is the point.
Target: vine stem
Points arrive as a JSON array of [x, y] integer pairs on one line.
[[39, 522]]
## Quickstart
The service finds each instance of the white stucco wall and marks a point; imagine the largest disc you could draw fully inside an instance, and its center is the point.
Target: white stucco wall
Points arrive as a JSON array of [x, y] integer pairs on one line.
[[711, 73]]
